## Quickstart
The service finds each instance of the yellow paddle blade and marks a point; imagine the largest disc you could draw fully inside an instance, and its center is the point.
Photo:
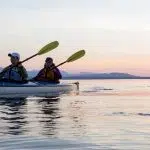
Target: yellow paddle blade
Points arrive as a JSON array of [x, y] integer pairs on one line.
[[76, 56], [48, 47]]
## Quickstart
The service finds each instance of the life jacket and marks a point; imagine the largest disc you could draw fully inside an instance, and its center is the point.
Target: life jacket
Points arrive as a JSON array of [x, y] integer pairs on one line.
[[51, 75], [13, 74], [57, 74], [46, 74]]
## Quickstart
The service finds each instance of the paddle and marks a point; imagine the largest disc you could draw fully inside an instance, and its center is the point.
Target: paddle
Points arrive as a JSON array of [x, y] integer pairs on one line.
[[72, 58], [43, 50]]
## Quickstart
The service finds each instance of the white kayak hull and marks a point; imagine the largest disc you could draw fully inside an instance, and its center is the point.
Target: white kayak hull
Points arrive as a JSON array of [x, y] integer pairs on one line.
[[35, 89]]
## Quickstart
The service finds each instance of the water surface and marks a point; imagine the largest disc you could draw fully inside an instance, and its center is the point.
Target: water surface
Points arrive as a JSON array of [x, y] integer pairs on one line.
[[105, 114]]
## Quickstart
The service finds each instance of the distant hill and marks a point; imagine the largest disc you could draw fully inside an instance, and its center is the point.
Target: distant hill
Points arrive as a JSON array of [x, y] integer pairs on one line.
[[91, 75], [113, 75]]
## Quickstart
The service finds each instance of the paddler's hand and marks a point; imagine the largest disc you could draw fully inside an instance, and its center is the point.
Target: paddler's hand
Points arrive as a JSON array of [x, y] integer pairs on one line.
[[19, 64]]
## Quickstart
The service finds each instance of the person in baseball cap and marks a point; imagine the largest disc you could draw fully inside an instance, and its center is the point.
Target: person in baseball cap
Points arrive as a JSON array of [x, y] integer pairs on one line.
[[15, 55], [15, 71]]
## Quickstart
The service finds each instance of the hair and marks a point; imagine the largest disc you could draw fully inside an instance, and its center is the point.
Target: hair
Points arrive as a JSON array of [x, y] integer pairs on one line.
[[48, 59]]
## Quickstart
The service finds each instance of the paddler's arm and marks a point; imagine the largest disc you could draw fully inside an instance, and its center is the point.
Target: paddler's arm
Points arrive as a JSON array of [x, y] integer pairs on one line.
[[38, 76], [23, 72], [57, 73], [3, 72]]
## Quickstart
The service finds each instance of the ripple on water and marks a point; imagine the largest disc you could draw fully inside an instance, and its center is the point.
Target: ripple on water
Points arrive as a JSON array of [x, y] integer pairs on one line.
[[31, 143]]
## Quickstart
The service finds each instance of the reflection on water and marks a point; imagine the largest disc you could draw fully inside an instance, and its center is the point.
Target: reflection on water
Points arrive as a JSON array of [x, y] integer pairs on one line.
[[50, 113], [17, 118], [12, 114], [53, 117], [77, 118], [113, 117]]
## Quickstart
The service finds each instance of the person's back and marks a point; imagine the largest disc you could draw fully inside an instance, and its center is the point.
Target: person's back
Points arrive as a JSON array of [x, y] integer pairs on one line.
[[14, 72], [47, 73]]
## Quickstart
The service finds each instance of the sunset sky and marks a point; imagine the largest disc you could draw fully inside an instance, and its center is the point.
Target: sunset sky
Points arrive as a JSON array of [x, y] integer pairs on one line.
[[114, 33]]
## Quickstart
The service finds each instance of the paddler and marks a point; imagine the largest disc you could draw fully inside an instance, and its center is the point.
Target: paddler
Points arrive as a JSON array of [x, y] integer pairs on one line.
[[49, 73], [14, 72]]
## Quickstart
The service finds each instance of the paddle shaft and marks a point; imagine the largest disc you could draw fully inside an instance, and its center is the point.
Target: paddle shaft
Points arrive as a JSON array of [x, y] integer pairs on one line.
[[27, 59], [73, 57], [59, 65]]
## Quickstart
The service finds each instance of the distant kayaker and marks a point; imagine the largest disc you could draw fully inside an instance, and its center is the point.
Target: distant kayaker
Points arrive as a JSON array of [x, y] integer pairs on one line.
[[14, 72], [49, 73]]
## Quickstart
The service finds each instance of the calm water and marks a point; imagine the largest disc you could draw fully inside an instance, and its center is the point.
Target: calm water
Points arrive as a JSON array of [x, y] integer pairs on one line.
[[105, 114]]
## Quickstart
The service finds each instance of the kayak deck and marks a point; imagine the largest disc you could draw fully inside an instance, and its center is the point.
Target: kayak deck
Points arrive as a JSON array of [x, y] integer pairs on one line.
[[36, 89]]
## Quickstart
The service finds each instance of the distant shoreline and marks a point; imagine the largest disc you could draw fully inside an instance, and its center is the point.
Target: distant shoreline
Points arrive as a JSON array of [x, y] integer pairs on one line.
[[91, 75], [80, 78]]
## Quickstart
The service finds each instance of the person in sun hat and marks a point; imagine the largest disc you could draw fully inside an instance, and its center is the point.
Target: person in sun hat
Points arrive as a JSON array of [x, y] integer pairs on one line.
[[49, 73], [15, 71]]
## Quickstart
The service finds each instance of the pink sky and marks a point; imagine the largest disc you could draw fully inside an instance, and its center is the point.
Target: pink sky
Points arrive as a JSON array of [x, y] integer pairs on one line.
[[115, 34]]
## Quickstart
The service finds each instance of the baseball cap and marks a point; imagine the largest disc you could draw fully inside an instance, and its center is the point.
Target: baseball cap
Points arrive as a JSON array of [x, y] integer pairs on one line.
[[17, 55]]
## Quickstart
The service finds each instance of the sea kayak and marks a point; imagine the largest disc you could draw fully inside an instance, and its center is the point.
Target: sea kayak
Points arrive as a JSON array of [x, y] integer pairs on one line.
[[8, 89]]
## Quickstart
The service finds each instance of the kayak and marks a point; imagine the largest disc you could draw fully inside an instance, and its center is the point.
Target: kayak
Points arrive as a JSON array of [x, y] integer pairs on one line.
[[10, 89]]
